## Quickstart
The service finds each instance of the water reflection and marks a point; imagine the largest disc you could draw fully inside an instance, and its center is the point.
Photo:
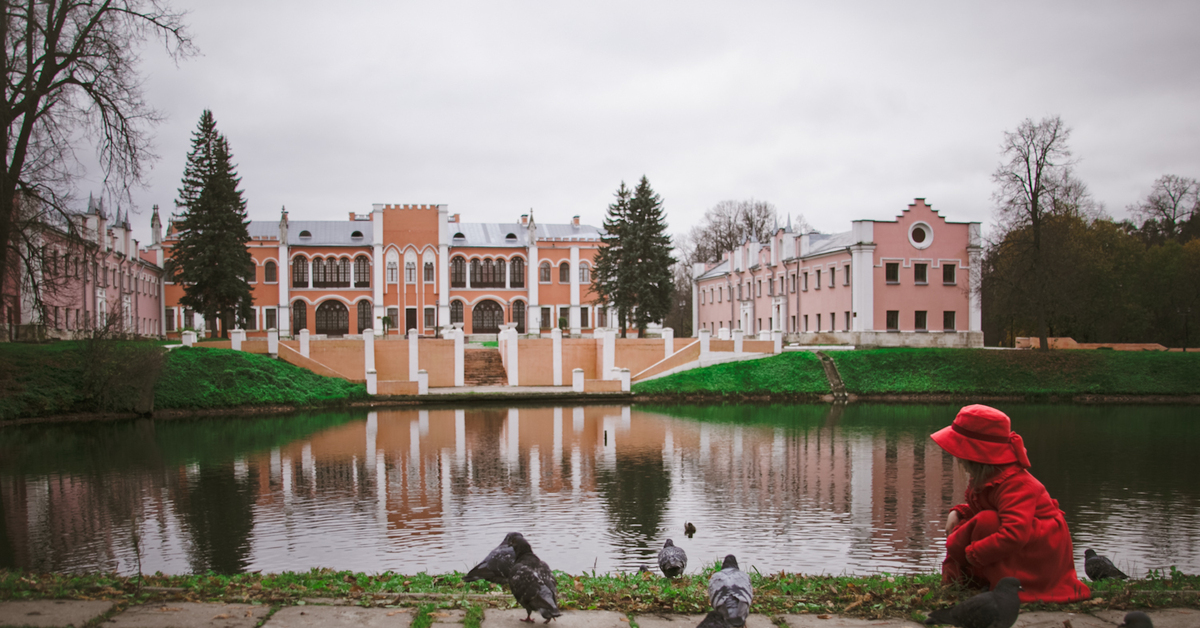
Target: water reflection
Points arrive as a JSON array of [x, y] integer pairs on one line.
[[803, 488]]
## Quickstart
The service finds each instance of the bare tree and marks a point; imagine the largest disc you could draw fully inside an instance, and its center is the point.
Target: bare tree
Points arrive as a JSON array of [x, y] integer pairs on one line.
[[729, 224], [1035, 171], [1173, 201], [71, 79]]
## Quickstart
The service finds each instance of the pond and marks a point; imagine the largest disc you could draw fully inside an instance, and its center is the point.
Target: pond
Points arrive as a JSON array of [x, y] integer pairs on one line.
[[802, 488]]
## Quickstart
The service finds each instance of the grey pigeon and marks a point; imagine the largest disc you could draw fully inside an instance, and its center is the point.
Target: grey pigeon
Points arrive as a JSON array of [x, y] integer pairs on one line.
[[713, 619], [531, 581], [1099, 567], [497, 566], [1137, 619], [672, 560], [992, 609], [730, 592]]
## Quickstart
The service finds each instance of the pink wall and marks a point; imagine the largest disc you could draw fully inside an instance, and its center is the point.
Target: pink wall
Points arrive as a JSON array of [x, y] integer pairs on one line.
[[948, 246]]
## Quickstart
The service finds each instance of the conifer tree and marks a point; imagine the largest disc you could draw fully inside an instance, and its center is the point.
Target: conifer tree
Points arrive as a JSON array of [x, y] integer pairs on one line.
[[211, 260], [633, 269]]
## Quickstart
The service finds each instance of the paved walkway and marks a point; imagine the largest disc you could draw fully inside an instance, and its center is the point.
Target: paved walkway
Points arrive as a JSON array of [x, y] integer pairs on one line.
[[193, 615]]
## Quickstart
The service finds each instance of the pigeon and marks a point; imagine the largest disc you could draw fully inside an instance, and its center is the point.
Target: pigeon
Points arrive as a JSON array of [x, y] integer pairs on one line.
[[689, 529], [531, 581], [1137, 619], [497, 566], [1099, 567], [992, 609], [672, 560], [713, 619], [730, 592]]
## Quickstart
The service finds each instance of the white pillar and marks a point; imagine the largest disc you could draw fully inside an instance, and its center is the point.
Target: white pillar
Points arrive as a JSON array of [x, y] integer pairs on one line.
[[304, 342], [557, 365], [622, 375], [514, 369], [531, 284], [378, 265], [777, 336], [573, 317], [236, 337], [577, 380], [974, 258], [723, 333], [189, 338], [369, 350], [737, 340], [413, 363], [273, 341], [609, 355], [459, 358], [705, 338], [372, 382], [422, 382], [668, 336], [283, 315]]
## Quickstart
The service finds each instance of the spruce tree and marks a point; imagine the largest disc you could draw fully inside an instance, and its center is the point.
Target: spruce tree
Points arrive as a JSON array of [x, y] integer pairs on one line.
[[211, 260], [607, 278], [633, 269]]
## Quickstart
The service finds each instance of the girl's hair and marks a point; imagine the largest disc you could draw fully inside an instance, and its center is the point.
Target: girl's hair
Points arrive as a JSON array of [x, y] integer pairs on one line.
[[978, 471]]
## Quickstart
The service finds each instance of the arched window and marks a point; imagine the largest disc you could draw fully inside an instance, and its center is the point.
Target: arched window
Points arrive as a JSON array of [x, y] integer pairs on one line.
[[518, 315], [270, 273], [476, 272], [299, 272], [364, 316], [362, 272], [564, 273], [410, 272], [516, 276], [333, 318], [393, 272], [458, 273], [299, 316], [544, 272], [428, 272], [585, 273], [343, 273], [501, 272], [456, 312]]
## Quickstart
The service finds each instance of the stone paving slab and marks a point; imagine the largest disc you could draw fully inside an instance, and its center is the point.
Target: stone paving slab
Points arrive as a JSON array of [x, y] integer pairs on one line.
[[51, 612], [1162, 618], [690, 621], [189, 615], [836, 621], [447, 618], [511, 618], [335, 616]]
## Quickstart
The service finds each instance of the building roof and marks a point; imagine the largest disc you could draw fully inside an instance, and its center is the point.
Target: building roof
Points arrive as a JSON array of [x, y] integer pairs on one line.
[[826, 242], [715, 271]]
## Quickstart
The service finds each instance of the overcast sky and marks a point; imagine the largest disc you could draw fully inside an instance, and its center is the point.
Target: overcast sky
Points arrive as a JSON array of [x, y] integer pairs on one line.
[[836, 111]]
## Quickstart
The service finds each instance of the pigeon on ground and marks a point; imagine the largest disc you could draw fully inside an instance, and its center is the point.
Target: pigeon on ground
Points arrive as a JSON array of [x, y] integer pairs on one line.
[[1137, 619], [992, 609], [672, 560], [713, 619], [531, 581], [730, 592], [497, 566], [689, 529], [1099, 567]]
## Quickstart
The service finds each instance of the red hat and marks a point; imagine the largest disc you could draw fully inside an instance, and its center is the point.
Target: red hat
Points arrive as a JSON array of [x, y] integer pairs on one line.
[[982, 434]]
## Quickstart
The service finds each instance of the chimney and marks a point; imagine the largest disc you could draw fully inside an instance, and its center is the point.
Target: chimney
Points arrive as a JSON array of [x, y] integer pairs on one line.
[[575, 222], [351, 216], [454, 217], [524, 219]]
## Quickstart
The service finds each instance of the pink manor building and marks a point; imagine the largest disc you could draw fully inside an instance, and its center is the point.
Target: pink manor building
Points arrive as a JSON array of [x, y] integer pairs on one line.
[[883, 283]]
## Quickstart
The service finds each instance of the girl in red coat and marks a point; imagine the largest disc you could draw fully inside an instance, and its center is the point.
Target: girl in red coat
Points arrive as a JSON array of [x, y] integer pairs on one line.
[[1009, 526]]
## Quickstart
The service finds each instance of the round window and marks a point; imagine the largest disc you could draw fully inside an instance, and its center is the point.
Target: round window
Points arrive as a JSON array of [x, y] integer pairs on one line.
[[920, 235]]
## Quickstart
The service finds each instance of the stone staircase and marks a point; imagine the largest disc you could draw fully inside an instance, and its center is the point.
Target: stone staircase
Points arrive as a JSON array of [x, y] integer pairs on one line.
[[483, 367]]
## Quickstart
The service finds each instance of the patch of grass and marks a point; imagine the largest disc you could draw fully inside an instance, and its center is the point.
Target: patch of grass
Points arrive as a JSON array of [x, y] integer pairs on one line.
[[789, 373], [473, 616], [213, 378], [1036, 373]]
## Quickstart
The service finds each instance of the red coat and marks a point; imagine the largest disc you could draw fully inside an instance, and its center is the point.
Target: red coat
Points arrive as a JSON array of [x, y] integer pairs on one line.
[[1033, 543]]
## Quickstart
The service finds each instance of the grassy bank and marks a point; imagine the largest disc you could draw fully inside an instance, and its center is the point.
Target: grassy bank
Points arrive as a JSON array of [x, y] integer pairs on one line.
[[876, 597], [795, 373], [80, 377], [1022, 373]]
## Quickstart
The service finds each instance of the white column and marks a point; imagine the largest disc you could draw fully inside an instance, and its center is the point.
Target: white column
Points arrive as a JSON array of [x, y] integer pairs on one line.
[[189, 338], [368, 350], [974, 255], [531, 283], [577, 383], [236, 337], [413, 363], [668, 336], [304, 342], [737, 340], [723, 334], [422, 382], [573, 317], [273, 341], [378, 265], [556, 343], [609, 355], [283, 316], [777, 336], [514, 368], [372, 382], [622, 375], [705, 338], [862, 279], [459, 338]]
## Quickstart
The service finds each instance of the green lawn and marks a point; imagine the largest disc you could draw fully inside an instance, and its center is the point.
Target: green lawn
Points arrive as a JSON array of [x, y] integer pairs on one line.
[[790, 373], [984, 371]]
